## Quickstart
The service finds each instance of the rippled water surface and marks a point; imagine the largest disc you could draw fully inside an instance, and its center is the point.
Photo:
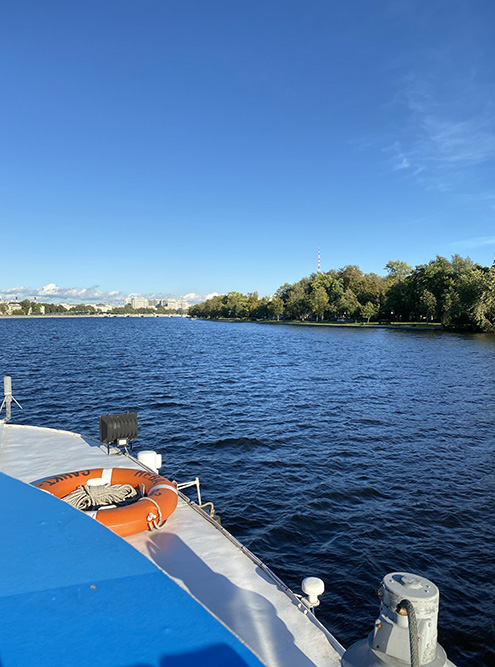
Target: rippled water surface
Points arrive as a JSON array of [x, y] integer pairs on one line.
[[344, 453]]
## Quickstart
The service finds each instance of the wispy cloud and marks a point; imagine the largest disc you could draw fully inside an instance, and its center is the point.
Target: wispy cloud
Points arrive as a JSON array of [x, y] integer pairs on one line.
[[402, 163], [453, 144], [476, 242], [449, 129], [488, 198]]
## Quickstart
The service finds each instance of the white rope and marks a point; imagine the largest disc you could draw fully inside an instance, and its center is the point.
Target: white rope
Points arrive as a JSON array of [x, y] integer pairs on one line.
[[93, 497], [151, 518]]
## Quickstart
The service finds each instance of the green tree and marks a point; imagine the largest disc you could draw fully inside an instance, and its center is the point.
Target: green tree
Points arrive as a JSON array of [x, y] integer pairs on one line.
[[470, 304], [427, 305], [318, 301], [252, 304], [333, 286], [484, 308], [348, 305], [372, 289], [397, 270], [461, 265], [365, 286], [275, 307], [261, 311], [369, 310], [297, 306], [82, 308], [398, 297], [26, 306], [53, 308], [237, 305], [437, 277], [352, 277], [283, 292]]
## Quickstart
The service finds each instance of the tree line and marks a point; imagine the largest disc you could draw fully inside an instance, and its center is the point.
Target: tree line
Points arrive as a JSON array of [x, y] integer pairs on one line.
[[456, 293]]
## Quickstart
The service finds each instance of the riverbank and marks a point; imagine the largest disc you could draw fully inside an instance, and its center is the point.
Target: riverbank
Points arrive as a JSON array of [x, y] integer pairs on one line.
[[416, 326], [372, 325]]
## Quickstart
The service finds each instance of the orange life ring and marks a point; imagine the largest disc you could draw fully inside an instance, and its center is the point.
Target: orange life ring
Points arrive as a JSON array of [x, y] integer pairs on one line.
[[156, 506]]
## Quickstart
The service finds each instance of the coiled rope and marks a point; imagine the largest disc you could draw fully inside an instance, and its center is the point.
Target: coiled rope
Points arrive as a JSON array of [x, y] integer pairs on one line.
[[93, 497], [413, 630]]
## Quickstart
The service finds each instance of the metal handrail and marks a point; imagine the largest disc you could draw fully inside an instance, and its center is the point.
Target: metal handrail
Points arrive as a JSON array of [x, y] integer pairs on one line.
[[187, 485]]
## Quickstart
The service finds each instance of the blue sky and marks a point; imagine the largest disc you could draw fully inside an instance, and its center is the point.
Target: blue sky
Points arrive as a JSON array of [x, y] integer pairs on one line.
[[186, 147]]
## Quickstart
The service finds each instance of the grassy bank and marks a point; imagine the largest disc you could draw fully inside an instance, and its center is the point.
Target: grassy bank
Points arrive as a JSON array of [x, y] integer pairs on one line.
[[416, 326]]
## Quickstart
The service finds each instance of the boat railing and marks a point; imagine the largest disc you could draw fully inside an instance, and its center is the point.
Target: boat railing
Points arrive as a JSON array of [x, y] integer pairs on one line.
[[188, 485], [204, 506]]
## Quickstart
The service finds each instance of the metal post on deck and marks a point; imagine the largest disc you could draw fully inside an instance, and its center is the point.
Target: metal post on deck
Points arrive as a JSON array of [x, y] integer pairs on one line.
[[8, 398]]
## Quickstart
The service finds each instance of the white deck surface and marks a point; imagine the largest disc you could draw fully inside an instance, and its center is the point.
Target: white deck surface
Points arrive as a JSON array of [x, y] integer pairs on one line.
[[30, 453], [194, 551]]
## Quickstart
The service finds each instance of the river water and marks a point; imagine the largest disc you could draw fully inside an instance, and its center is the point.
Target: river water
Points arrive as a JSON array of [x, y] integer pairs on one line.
[[343, 453]]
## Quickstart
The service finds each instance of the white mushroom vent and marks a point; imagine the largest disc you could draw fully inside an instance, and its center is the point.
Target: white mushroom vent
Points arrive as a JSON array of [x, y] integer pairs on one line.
[[313, 587], [150, 459]]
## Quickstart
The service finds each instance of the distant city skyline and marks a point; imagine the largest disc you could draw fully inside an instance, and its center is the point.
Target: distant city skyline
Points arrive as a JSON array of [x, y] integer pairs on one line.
[[53, 294], [183, 149]]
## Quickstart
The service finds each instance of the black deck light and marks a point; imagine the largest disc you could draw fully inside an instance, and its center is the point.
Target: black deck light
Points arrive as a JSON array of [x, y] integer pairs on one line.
[[120, 430]]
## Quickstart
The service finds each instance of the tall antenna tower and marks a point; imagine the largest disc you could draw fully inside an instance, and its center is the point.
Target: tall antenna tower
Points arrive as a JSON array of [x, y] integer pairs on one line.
[[319, 265]]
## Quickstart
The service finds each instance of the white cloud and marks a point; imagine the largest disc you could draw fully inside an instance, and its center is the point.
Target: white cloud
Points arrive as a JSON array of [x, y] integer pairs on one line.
[[53, 293], [192, 297], [51, 288], [404, 164]]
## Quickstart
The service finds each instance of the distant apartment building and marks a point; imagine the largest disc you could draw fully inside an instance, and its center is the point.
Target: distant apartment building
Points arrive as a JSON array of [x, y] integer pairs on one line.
[[167, 304], [13, 307], [175, 304], [136, 302]]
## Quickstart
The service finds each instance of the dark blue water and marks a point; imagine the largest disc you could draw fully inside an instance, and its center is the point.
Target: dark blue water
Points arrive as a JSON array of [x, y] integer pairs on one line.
[[333, 452]]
